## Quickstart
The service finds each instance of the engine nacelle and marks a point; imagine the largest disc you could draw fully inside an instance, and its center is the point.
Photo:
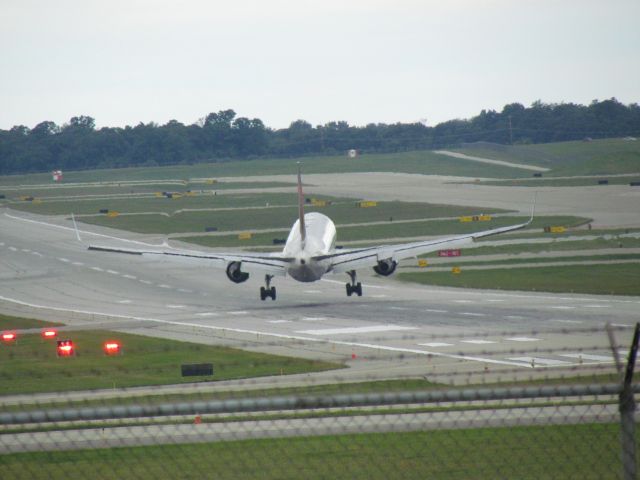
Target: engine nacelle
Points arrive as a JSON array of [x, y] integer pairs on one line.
[[385, 267], [235, 274]]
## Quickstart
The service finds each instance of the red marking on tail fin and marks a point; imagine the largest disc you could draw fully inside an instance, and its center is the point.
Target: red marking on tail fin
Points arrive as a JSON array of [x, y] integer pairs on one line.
[[303, 230]]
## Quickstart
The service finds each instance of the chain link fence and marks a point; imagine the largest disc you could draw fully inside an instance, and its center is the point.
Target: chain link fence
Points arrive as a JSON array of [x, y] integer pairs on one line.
[[548, 427]]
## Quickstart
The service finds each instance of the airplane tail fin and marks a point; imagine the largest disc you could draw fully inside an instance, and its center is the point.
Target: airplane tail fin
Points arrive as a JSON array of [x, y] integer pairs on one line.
[[303, 230]]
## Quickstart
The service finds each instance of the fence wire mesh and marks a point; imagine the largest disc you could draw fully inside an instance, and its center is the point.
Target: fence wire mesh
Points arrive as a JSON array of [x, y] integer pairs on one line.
[[569, 419]]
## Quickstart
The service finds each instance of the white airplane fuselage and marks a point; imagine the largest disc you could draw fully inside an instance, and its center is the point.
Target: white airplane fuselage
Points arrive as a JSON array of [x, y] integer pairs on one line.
[[320, 239]]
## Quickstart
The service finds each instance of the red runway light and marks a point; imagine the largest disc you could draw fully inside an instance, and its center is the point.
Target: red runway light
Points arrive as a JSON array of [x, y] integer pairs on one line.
[[49, 333], [9, 336], [65, 348], [111, 348]]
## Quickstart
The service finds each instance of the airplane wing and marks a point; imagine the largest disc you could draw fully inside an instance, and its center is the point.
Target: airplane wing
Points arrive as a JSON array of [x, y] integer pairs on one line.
[[251, 262], [352, 259]]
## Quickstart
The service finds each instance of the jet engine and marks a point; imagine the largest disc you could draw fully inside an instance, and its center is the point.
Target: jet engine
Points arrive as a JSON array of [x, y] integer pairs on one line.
[[235, 274], [385, 267]]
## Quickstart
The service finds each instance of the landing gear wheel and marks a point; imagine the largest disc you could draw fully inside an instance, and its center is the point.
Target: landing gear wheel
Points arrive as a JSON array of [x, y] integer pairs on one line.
[[268, 291], [353, 287]]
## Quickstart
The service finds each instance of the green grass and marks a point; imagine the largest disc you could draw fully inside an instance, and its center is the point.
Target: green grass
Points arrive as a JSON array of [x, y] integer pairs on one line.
[[418, 228], [517, 261], [16, 323], [564, 182], [570, 451], [616, 279], [599, 157], [31, 365], [423, 162], [64, 191]]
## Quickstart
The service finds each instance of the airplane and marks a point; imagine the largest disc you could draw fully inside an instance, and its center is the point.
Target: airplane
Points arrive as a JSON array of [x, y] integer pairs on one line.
[[310, 253]]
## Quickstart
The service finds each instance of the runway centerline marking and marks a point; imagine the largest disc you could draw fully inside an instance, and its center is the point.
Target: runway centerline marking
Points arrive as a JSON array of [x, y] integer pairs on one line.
[[130, 277], [313, 319], [97, 269], [206, 314], [352, 330], [562, 307], [146, 282], [472, 314], [163, 285], [113, 272], [478, 341], [176, 307], [433, 310], [238, 312], [65, 260], [523, 339], [436, 344], [279, 321]]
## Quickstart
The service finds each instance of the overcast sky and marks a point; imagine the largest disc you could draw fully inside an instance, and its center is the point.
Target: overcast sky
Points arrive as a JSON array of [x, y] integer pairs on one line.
[[127, 61]]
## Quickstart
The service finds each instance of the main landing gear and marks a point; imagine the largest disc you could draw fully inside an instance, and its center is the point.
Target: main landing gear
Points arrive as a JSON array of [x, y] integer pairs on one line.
[[268, 291], [353, 287]]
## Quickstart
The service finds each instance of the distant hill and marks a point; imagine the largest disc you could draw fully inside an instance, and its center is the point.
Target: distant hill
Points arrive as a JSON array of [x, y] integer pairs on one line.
[[223, 136]]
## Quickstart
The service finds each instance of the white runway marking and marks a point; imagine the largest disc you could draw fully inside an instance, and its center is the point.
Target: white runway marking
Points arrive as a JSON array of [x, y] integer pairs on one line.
[[471, 314], [347, 330], [276, 335], [164, 286], [26, 250], [124, 301], [13, 249], [523, 339], [433, 310], [146, 282], [398, 308], [313, 319], [279, 321], [514, 317], [37, 254], [380, 295], [560, 320], [65, 260], [540, 361], [113, 272], [78, 264], [1, 244], [312, 291], [478, 342], [238, 312], [130, 277], [562, 307], [621, 325], [585, 356], [175, 307], [97, 269], [185, 290], [436, 344], [463, 301], [206, 314], [596, 306], [493, 300]]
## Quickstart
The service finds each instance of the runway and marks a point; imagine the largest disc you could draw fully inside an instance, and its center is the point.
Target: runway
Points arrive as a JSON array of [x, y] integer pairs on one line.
[[394, 330]]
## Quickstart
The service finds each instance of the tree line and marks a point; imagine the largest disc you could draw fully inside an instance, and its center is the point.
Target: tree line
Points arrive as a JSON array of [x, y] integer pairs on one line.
[[224, 136]]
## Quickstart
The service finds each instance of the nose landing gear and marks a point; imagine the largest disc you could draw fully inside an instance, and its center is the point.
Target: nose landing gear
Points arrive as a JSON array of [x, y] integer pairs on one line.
[[268, 291], [353, 287]]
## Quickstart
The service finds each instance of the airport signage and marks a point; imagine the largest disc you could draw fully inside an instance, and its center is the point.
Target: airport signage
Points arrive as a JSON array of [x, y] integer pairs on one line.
[[449, 253]]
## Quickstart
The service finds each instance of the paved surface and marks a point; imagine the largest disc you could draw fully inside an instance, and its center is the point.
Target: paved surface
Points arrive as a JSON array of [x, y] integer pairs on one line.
[[494, 162], [394, 330]]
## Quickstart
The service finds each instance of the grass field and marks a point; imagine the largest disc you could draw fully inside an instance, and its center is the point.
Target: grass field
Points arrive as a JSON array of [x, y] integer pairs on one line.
[[599, 157], [572, 451], [387, 231], [616, 279], [423, 162], [566, 182], [517, 261], [31, 365]]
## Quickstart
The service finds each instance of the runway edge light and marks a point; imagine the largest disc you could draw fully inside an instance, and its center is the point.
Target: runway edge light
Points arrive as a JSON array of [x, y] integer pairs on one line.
[[65, 348], [112, 348], [49, 333], [9, 337]]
